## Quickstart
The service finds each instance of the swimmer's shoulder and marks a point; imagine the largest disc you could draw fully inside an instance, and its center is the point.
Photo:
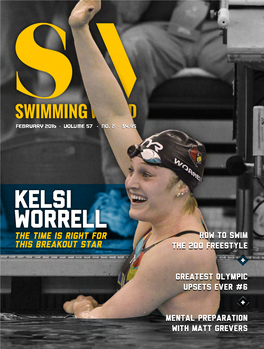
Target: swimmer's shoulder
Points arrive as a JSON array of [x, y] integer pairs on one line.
[[181, 254]]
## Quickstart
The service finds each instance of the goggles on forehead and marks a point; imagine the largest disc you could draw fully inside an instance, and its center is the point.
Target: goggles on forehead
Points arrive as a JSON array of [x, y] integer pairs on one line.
[[148, 155]]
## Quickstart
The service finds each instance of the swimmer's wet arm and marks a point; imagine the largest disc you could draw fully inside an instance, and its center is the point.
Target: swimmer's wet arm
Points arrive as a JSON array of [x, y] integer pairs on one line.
[[104, 93], [153, 284]]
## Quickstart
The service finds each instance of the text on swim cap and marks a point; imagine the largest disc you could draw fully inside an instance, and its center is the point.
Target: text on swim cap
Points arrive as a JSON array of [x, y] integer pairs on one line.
[[187, 169]]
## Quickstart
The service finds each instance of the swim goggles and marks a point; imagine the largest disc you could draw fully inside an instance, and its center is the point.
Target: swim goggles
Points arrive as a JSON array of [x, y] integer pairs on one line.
[[148, 155]]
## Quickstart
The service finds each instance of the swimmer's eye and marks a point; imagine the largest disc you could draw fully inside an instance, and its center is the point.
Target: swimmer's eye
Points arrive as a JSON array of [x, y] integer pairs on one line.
[[130, 170], [143, 173], [146, 175]]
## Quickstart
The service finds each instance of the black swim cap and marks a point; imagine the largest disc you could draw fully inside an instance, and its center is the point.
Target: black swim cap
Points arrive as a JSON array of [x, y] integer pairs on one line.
[[176, 151]]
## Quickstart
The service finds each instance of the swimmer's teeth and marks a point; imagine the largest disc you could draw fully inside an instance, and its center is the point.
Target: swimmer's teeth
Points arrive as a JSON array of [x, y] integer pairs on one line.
[[138, 198]]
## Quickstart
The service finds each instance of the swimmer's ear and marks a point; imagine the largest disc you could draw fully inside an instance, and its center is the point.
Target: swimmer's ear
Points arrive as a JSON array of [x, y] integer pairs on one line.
[[182, 188]]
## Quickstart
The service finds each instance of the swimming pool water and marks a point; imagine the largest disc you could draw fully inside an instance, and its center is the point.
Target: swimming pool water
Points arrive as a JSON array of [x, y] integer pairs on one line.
[[55, 332]]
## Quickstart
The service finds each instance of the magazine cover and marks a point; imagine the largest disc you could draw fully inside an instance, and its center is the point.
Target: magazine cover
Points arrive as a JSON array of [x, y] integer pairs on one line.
[[132, 202]]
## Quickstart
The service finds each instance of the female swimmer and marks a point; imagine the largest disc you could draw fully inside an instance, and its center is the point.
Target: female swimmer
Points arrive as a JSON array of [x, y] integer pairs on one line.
[[161, 174]]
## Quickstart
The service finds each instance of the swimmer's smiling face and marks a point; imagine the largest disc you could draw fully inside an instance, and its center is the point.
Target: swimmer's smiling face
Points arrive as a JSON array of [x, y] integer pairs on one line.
[[147, 189]]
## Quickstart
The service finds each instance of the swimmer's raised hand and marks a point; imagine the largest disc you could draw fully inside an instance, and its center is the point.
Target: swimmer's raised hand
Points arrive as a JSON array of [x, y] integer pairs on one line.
[[83, 13]]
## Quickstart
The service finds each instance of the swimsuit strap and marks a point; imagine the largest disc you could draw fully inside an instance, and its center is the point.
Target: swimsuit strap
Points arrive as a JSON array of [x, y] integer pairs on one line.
[[187, 232], [204, 225], [176, 235]]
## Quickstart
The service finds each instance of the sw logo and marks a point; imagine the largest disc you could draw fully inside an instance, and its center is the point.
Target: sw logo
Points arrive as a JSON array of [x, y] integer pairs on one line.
[[195, 155], [58, 65]]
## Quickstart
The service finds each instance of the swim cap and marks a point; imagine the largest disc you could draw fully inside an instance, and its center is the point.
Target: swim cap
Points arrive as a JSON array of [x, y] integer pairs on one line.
[[176, 151]]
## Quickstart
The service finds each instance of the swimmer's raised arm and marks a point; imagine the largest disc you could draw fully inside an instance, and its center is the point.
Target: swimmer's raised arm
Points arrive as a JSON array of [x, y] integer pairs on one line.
[[104, 93]]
